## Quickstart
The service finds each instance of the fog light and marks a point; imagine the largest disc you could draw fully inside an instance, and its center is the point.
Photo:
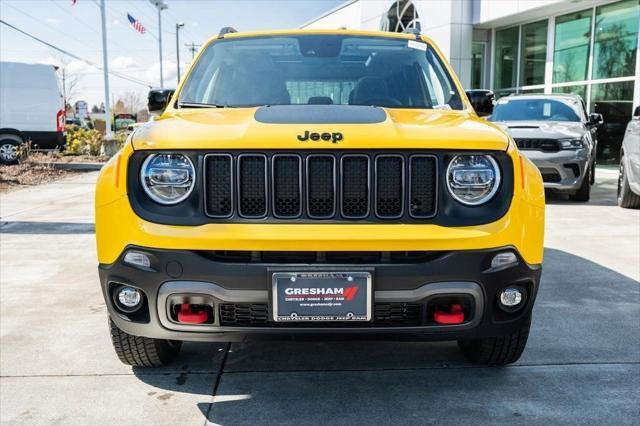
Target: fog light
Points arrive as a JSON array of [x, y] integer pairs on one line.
[[511, 297], [504, 259], [129, 298], [136, 258]]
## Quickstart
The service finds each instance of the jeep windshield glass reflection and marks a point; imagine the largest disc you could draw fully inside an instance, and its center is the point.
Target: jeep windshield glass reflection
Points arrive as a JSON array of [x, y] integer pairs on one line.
[[320, 69]]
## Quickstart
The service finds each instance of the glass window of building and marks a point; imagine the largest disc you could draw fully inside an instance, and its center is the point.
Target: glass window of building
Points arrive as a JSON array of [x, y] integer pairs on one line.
[[571, 50], [616, 39], [533, 53], [502, 93], [506, 54], [580, 90], [477, 65], [615, 102], [531, 91]]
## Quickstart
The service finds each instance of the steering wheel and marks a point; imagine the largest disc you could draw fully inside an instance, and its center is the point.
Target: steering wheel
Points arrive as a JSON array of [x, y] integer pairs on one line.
[[382, 101]]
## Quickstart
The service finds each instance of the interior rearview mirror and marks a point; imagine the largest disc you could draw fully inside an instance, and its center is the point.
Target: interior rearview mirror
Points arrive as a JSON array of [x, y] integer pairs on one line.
[[158, 99]]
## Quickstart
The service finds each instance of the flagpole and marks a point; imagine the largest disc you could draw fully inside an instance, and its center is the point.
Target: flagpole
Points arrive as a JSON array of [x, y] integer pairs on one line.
[[105, 67], [160, 43], [160, 5]]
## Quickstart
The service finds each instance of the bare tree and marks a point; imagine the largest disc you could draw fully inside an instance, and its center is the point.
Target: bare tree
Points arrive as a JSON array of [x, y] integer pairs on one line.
[[68, 80], [119, 107], [133, 102]]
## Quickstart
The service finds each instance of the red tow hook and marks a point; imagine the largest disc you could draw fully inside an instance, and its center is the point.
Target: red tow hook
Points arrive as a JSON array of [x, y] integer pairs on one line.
[[454, 316], [188, 316]]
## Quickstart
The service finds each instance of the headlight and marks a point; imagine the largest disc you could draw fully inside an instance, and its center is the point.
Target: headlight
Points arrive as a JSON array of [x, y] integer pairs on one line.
[[168, 178], [473, 179], [571, 143]]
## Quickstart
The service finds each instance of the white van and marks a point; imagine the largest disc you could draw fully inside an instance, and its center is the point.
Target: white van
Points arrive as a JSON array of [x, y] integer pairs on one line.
[[31, 109]]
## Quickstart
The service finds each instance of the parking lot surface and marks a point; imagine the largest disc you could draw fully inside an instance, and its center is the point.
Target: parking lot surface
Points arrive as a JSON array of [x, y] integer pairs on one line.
[[581, 365]]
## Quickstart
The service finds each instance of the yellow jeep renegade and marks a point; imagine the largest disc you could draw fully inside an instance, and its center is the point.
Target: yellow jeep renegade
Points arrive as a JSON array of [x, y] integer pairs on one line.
[[319, 183]]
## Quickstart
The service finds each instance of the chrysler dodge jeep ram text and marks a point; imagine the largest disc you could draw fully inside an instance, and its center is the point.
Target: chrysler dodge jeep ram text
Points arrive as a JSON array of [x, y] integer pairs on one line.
[[319, 184]]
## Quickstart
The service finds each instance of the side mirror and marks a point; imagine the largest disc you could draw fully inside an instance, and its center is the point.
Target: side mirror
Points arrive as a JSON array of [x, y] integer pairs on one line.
[[595, 119], [636, 113], [158, 100], [482, 101]]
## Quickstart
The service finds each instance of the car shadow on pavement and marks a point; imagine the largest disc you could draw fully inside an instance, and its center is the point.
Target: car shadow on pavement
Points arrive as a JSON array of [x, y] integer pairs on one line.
[[581, 364], [46, 228], [603, 193]]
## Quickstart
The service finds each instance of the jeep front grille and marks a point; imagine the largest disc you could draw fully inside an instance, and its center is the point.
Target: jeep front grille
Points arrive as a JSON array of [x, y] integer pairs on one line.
[[529, 144], [252, 188], [219, 193], [318, 186]]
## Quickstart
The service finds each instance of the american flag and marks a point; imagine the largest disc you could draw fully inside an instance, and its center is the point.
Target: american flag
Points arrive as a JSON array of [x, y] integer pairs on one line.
[[136, 24]]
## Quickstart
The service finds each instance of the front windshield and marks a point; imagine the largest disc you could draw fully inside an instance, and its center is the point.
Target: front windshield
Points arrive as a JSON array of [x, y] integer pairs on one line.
[[320, 69], [536, 110]]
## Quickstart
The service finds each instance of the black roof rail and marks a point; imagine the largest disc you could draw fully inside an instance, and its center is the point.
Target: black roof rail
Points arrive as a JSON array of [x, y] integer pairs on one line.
[[226, 30]]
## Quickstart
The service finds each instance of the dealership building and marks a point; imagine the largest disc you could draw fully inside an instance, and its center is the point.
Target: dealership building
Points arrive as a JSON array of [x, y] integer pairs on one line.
[[587, 47]]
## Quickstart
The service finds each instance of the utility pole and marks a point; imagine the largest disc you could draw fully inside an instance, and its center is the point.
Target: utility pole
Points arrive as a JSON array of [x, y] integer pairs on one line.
[[193, 48], [105, 67], [64, 90], [179, 25], [160, 5]]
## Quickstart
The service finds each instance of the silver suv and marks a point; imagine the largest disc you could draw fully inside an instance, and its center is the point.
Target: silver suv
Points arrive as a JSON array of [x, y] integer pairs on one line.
[[556, 133], [629, 176]]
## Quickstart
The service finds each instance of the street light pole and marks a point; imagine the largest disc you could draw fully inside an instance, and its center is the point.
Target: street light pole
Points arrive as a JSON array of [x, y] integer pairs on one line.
[[160, 5], [105, 67], [179, 25]]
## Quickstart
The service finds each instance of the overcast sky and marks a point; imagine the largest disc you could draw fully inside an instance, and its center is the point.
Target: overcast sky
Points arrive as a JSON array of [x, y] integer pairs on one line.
[[77, 30]]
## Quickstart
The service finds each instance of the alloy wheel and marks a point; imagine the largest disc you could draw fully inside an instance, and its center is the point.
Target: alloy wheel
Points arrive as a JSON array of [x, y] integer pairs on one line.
[[8, 152]]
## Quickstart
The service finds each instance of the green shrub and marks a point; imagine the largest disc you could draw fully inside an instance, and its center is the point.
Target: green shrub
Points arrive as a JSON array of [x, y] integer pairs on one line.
[[83, 141], [89, 141]]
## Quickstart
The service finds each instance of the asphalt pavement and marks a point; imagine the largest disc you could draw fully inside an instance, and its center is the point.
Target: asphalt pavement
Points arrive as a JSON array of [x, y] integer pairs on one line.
[[581, 365]]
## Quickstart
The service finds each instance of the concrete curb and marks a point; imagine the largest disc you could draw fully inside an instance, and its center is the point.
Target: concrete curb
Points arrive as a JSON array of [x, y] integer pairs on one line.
[[84, 167]]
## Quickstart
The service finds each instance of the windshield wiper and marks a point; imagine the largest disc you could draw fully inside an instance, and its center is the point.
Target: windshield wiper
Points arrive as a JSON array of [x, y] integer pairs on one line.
[[200, 105]]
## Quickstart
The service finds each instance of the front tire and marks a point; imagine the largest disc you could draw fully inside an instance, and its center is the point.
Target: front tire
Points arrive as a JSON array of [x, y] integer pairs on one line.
[[139, 351], [583, 194], [10, 149], [495, 351], [626, 197]]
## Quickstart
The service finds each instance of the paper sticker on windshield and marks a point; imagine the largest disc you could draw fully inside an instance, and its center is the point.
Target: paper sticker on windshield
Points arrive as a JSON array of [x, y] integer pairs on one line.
[[546, 109], [417, 45]]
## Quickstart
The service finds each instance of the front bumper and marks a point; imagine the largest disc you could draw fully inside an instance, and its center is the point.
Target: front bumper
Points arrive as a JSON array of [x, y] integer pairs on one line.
[[466, 275], [562, 170]]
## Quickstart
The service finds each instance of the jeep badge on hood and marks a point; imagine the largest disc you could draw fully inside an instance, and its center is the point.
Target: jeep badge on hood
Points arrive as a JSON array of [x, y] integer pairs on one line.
[[333, 137]]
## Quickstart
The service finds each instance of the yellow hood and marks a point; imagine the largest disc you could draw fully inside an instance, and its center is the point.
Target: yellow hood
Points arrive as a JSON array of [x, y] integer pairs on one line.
[[237, 128]]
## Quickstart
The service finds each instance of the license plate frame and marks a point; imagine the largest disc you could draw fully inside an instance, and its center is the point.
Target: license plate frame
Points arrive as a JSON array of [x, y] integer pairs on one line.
[[347, 304]]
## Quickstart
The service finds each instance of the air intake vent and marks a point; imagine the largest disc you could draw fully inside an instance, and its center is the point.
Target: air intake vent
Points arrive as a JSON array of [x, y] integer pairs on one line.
[[287, 186], [355, 186], [389, 186], [321, 197], [218, 169], [252, 189], [385, 314], [422, 188], [243, 314]]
